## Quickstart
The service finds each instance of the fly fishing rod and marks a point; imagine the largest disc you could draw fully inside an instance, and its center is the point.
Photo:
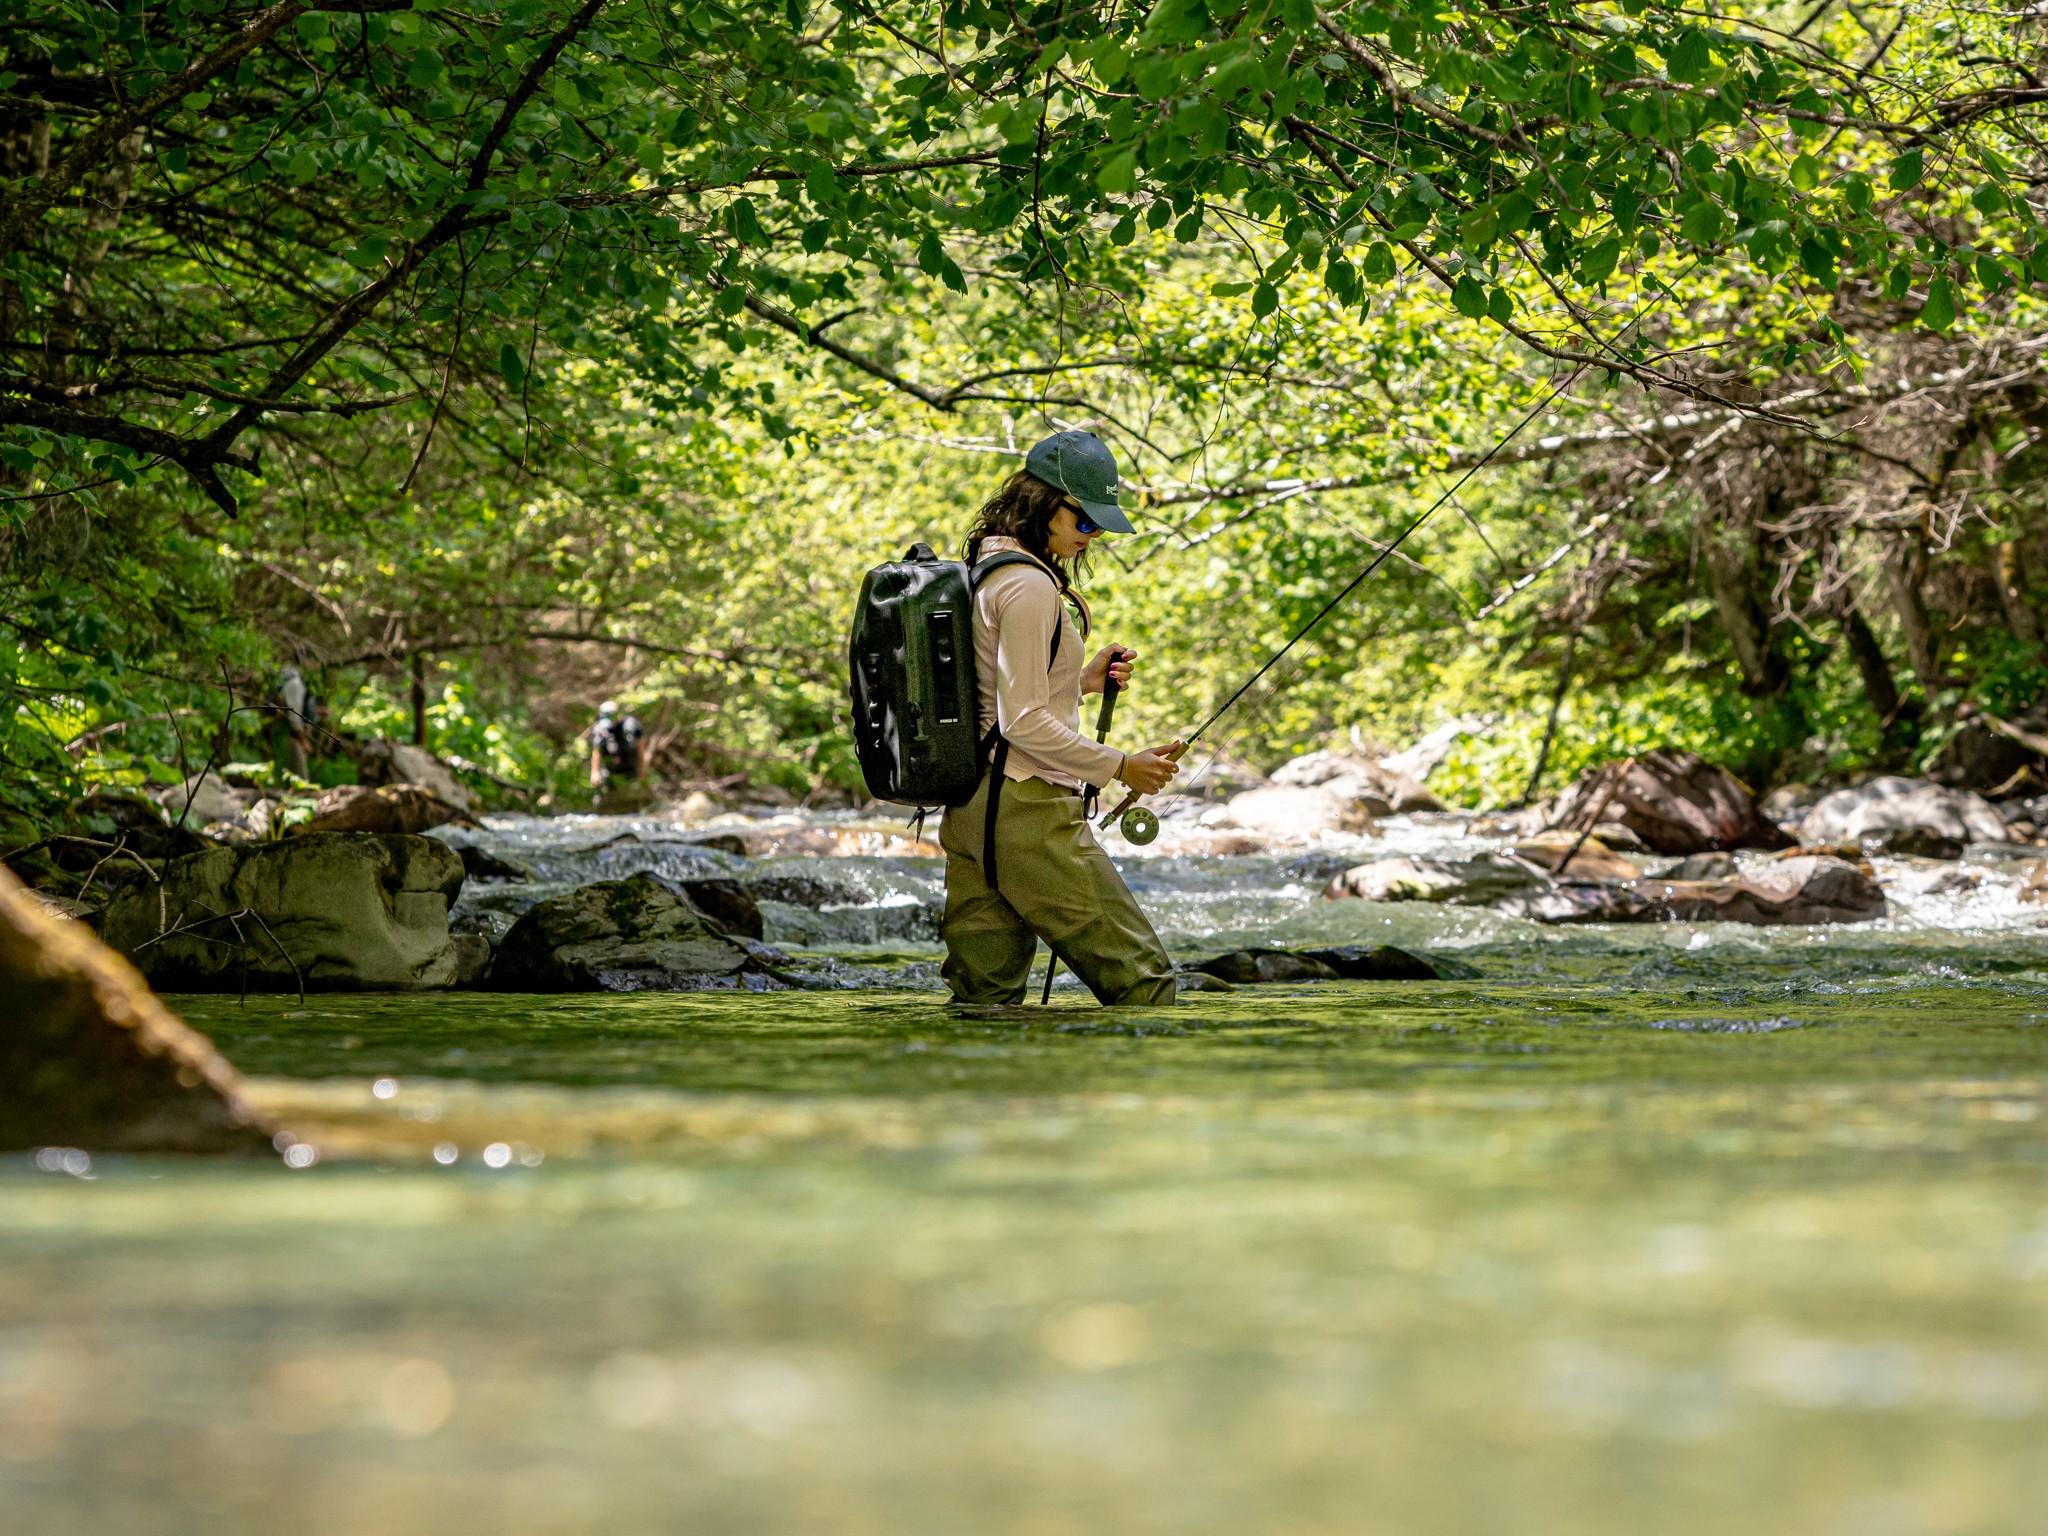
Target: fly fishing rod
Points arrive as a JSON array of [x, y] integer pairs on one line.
[[1141, 825]]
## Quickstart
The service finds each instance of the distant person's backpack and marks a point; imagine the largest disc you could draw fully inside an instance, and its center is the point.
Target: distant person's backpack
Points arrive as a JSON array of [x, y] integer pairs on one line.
[[618, 743], [916, 699]]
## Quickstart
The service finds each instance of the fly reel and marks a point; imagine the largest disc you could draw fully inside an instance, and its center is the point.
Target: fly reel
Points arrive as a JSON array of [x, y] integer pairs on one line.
[[1139, 825]]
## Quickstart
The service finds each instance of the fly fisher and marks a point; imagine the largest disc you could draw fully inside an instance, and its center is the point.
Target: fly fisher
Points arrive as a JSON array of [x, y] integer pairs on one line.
[[1022, 863]]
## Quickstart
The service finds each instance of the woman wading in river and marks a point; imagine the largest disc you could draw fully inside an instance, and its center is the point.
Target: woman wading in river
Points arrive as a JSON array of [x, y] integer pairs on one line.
[[1038, 872]]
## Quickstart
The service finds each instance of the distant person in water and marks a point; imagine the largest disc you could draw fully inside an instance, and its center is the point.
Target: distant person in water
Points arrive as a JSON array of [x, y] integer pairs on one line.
[[1021, 861], [299, 709], [618, 754]]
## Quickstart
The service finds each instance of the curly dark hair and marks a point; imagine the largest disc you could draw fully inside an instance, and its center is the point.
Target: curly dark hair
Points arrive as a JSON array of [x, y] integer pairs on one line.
[[1023, 510]]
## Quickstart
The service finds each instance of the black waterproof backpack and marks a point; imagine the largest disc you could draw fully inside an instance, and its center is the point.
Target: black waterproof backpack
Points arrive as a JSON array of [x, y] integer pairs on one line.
[[915, 693]]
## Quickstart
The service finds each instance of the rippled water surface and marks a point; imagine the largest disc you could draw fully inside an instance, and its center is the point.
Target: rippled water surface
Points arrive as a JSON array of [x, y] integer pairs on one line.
[[1638, 1231]]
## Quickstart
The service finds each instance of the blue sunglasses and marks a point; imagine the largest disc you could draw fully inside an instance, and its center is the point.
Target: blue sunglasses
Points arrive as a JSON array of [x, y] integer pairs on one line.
[[1086, 524]]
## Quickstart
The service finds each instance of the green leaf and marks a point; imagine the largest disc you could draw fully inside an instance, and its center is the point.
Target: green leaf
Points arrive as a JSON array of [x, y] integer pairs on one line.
[[1805, 173], [1377, 265], [1991, 274], [1265, 300], [822, 185], [1119, 173], [1906, 171], [1468, 298], [1598, 264], [1112, 63], [1477, 230], [1690, 59], [1702, 223], [1899, 281], [512, 366], [732, 298], [1939, 313], [1818, 262], [931, 256], [1988, 199], [1500, 305], [1514, 212], [1229, 290]]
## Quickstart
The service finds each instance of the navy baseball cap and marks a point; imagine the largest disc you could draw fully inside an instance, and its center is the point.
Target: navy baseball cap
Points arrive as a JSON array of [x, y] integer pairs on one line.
[[1081, 464]]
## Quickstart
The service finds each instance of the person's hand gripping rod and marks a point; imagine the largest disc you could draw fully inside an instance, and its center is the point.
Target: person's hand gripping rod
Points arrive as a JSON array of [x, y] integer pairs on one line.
[[1146, 773]]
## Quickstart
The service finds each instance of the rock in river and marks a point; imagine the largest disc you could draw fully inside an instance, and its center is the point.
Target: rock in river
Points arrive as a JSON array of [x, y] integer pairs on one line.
[[1896, 805], [1479, 882], [1296, 810], [632, 935], [1794, 891], [1676, 802], [385, 808], [90, 1059], [338, 912]]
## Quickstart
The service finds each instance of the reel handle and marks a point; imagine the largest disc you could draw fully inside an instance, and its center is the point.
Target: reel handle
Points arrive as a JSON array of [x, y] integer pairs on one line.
[[1178, 751]]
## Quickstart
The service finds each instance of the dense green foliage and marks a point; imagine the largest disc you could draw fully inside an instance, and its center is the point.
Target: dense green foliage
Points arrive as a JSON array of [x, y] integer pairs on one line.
[[543, 350]]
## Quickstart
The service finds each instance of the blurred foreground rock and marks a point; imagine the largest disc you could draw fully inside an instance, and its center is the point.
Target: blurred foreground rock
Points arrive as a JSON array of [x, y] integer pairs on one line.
[[1676, 802], [331, 911], [632, 935], [1894, 805], [90, 1059]]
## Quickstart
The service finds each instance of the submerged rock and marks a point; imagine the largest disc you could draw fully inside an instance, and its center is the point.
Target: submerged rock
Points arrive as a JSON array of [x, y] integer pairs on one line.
[[1794, 891], [1894, 805], [1577, 901], [1915, 843], [1479, 882], [477, 864], [1200, 981], [631, 935], [1251, 966], [384, 808], [1383, 962], [1593, 860], [1702, 866], [1676, 802], [1342, 962], [89, 1058], [727, 903], [331, 911]]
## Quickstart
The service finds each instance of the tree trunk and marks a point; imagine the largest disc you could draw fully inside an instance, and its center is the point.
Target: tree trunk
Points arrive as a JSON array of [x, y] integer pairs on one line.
[[1732, 576], [1898, 716], [419, 699], [2011, 578], [1906, 569]]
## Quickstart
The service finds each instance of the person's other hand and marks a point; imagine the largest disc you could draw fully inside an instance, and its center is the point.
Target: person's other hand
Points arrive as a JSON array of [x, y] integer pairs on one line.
[[1111, 661], [1150, 771]]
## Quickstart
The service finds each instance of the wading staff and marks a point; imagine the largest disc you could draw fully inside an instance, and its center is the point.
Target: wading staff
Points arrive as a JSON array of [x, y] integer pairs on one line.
[[1102, 719], [1180, 747]]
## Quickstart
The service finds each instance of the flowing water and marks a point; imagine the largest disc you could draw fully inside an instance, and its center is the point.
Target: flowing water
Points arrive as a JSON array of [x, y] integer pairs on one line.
[[1675, 1230]]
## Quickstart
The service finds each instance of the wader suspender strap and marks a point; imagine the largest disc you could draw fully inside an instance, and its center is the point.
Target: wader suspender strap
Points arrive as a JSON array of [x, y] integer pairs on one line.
[[995, 747]]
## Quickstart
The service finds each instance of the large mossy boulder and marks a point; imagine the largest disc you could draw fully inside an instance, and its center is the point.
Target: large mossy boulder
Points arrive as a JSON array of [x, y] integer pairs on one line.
[[326, 910], [632, 935], [90, 1059]]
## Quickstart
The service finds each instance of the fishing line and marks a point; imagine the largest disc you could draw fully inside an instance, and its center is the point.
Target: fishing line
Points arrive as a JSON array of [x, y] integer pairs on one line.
[[1389, 550]]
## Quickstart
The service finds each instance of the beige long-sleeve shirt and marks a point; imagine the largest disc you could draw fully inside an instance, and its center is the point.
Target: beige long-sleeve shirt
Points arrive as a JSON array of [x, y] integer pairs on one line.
[[1016, 612]]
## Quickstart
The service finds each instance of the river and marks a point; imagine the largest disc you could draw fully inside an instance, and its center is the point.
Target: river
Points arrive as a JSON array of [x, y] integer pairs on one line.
[[1668, 1229]]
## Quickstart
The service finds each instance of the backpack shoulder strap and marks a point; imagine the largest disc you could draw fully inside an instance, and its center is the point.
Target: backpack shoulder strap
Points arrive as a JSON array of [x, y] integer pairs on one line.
[[989, 565]]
